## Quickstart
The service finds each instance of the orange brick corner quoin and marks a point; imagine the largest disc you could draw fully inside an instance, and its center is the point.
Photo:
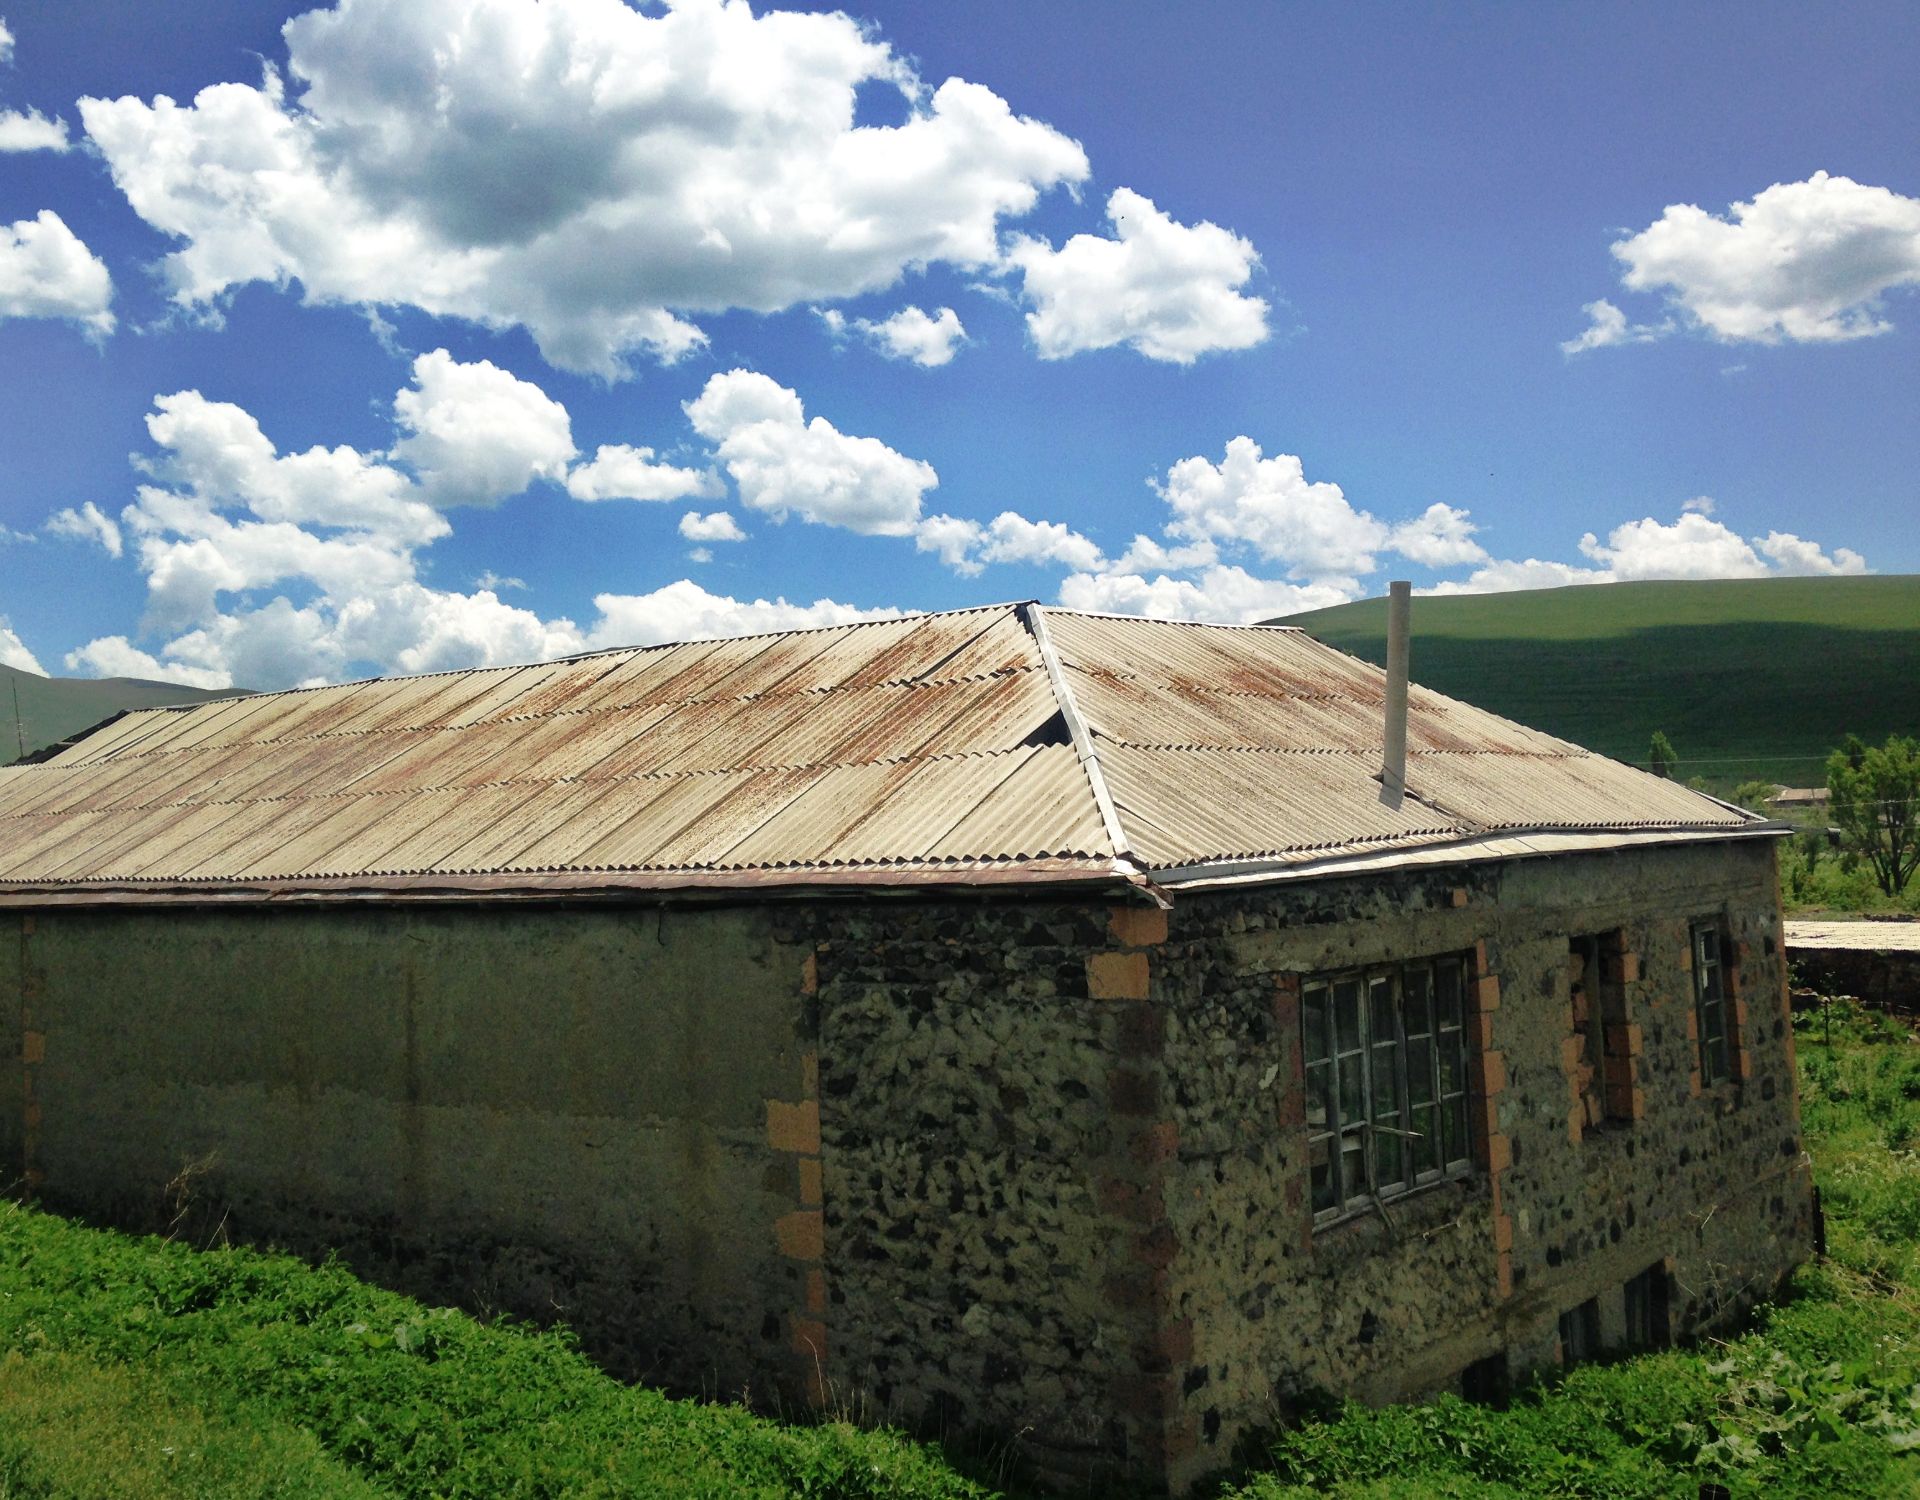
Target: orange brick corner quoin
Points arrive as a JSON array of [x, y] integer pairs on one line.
[[793, 1130], [1118, 976], [1137, 926], [1490, 1075]]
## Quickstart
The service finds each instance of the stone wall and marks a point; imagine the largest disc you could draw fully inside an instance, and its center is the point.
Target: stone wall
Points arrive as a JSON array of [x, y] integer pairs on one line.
[[981, 1127], [1711, 1186], [1027, 1167]]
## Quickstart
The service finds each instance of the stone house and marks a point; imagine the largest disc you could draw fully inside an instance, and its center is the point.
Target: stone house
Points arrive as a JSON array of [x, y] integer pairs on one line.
[[1050, 1024]]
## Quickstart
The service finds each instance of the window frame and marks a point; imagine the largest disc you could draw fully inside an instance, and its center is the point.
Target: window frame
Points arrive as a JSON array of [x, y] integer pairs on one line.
[[1712, 1003], [1387, 1071]]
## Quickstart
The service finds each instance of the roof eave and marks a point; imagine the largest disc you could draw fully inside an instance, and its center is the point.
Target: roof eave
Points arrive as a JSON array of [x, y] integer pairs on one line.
[[1510, 843], [1024, 876]]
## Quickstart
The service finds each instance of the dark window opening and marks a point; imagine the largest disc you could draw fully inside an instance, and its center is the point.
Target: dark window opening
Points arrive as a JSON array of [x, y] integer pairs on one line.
[[1604, 1070], [1580, 1332], [1647, 1310], [1486, 1381], [1386, 1073], [1710, 1004]]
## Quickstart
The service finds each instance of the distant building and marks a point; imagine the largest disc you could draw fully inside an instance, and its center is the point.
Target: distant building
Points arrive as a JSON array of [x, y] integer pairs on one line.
[[1011, 1019], [1799, 796]]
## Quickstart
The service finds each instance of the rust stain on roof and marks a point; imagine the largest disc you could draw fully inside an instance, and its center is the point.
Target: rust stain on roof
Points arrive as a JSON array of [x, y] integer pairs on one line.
[[894, 748]]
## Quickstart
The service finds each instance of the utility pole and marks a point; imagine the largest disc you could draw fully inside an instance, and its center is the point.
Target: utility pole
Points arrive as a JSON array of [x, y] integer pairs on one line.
[[19, 730]]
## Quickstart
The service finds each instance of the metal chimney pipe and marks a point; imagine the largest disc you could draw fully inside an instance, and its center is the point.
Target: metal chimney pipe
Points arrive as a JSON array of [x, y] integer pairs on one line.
[[1393, 769]]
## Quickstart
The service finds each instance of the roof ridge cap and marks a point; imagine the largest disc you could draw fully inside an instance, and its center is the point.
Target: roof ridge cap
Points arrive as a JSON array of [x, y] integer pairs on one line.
[[1033, 615]]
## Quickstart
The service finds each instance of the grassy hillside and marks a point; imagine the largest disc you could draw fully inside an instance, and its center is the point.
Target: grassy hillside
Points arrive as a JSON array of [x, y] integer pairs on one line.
[[138, 1368], [1748, 677], [51, 708]]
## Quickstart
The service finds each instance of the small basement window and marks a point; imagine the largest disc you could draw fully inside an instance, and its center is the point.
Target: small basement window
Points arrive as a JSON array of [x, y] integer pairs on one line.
[[1710, 1003], [1580, 1332], [1647, 1310], [1386, 1075]]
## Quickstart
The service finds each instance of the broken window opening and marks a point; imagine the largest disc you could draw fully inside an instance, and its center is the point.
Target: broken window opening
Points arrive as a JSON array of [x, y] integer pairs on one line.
[[1386, 1075], [1648, 1323], [1602, 1073], [1580, 1332], [1710, 1004]]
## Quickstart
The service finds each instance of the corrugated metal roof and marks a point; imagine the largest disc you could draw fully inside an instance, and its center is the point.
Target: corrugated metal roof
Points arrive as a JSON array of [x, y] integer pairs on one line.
[[895, 748]]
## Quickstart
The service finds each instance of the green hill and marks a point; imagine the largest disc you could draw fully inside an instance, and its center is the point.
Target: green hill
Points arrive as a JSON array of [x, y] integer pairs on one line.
[[1748, 677], [49, 709]]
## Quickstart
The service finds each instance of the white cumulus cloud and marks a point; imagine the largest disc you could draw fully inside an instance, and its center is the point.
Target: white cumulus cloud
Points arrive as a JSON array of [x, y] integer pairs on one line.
[[1441, 536], [270, 570], [620, 472], [684, 611], [912, 333], [1804, 262], [968, 546], [477, 434], [1269, 506], [1222, 595], [31, 131], [717, 526], [1608, 325], [1692, 546], [14, 652], [596, 173], [782, 463], [1168, 290], [87, 524], [46, 272]]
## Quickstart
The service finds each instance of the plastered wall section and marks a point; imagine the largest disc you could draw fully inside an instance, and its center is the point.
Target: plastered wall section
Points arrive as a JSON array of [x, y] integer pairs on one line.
[[601, 1115], [1708, 1185]]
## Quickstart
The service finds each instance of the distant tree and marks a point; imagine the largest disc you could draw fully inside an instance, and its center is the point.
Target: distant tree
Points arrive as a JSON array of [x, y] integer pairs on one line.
[[1660, 757], [1874, 800], [1755, 793]]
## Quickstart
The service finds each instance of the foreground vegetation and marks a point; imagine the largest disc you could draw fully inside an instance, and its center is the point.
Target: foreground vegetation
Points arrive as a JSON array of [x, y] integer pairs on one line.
[[136, 1367], [1749, 677]]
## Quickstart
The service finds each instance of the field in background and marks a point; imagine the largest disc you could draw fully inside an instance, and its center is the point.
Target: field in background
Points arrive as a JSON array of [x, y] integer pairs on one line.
[[1747, 677], [138, 1368], [51, 708]]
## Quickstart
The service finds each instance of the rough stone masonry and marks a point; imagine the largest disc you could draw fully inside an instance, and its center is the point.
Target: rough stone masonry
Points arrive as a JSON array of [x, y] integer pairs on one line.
[[1035, 1167]]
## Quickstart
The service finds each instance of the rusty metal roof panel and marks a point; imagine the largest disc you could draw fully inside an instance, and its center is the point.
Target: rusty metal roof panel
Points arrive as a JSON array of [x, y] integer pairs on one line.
[[877, 746], [124, 732], [1043, 807], [48, 788], [677, 803], [1567, 791], [642, 676], [108, 834], [846, 655], [525, 819], [1220, 804], [605, 808], [925, 801], [27, 843]]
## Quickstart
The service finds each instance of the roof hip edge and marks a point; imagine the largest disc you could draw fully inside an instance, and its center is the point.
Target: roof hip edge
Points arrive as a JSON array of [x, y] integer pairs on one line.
[[1033, 616]]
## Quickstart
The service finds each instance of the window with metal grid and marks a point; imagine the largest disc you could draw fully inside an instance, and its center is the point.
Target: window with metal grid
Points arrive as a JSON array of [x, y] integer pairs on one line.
[[1386, 1074], [1710, 1004]]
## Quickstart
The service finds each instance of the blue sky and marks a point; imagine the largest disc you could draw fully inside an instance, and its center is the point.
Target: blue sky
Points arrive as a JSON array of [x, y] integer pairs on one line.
[[347, 365]]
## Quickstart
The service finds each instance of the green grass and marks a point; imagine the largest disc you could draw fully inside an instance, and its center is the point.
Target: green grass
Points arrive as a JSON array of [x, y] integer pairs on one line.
[[1747, 677], [142, 1368], [138, 1367], [51, 708]]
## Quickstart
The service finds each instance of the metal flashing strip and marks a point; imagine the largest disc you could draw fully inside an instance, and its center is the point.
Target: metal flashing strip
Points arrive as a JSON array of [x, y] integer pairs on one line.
[[1034, 615], [601, 885], [1522, 843]]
